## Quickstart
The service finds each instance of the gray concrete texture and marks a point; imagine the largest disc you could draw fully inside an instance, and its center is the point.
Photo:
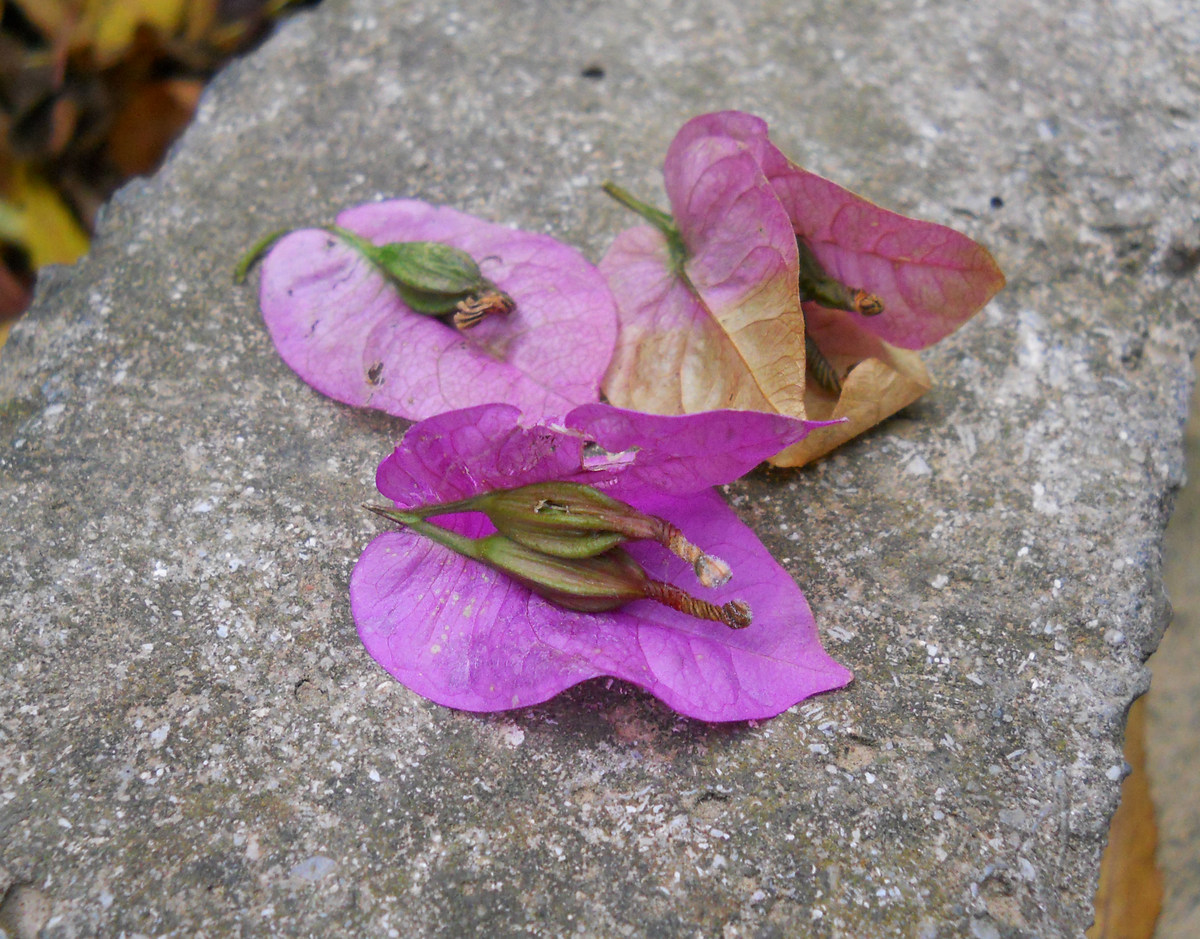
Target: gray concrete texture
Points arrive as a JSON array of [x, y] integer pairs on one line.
[[192, 740]]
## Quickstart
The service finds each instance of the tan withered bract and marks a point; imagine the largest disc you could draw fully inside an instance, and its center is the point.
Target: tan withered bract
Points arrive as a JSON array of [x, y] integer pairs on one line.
[[874, 389]]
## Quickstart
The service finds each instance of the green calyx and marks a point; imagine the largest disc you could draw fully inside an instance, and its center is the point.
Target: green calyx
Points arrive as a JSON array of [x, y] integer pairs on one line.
[[562, 519], [588, 585], [431, 277]]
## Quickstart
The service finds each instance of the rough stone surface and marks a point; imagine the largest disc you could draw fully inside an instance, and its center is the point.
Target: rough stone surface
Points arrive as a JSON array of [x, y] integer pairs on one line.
[[192, 741]]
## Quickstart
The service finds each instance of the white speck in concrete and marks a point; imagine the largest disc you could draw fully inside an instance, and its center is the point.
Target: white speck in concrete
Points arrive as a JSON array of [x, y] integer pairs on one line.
[[1042, 502], [313, 868], [984, 929]]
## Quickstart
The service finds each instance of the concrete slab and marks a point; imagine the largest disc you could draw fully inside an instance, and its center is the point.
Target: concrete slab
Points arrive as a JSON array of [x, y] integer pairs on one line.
[[192, 741]]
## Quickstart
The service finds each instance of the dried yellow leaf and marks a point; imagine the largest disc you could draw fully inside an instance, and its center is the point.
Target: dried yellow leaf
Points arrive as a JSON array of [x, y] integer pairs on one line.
[[34, 217]]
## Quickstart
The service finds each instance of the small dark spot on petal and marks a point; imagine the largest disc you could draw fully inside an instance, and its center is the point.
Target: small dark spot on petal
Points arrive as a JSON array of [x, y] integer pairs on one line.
[[997, 202], [594, 72], [375, 374]]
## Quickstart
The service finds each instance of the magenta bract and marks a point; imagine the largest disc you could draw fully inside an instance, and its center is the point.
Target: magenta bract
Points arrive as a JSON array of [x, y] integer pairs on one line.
[[344, 330], [712, 314], [468, 637], [931, 278], [726, 331]]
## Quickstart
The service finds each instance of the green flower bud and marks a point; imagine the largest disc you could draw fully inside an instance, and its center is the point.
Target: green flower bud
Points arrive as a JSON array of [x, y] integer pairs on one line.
[[589, 585], [430, 277], [429, 267], [592, 584]]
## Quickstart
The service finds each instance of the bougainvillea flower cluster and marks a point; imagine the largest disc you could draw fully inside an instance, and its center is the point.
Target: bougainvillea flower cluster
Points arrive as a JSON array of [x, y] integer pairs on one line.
[[711, 309], [543, 538], [469, 637]]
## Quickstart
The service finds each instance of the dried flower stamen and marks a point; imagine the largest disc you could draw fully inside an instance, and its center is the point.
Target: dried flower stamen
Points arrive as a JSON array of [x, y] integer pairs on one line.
[[735, 614], [471, 311]]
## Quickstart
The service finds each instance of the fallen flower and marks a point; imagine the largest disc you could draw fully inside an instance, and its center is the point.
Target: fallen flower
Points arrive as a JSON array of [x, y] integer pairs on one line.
[[467, 636], [718, 304], [338, 318]]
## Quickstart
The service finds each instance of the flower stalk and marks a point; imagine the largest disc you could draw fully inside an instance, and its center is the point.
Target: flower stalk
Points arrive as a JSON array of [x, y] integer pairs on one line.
[[818, 286], [820, 369], [254, 252], [656, 217]]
